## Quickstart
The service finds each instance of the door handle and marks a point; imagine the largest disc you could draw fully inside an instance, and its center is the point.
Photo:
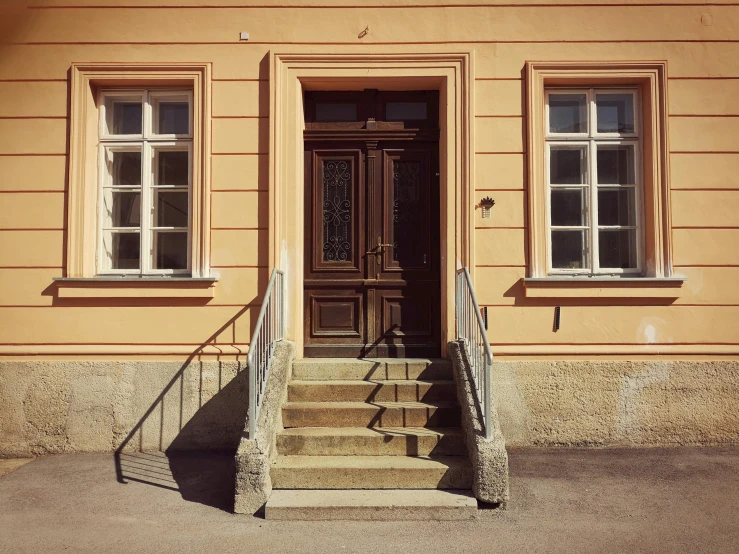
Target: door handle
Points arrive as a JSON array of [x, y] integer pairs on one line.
[[378, 250], [379, 243]]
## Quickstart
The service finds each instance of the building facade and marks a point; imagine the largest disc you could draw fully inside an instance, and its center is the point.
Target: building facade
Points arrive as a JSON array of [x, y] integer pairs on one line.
[[158, 161]]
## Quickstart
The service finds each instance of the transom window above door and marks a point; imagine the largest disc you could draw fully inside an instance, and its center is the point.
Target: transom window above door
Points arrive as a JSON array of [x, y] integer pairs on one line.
[[145, 163], [389, 109], [593, 176]]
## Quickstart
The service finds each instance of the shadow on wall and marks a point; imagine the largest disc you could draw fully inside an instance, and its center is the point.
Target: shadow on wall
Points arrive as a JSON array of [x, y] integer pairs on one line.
[[186, 440]]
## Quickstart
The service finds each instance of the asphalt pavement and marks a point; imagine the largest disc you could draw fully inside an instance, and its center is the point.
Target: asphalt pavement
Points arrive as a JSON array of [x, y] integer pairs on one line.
[[562, 500]]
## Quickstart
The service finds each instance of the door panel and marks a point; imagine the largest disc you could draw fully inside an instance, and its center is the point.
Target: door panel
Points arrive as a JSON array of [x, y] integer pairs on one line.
[[407, 209], [406, 315], [337, 314], [336, 197]]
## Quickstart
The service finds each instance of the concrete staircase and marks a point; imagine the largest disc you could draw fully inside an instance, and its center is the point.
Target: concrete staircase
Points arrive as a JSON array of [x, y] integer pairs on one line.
[[371, 439]]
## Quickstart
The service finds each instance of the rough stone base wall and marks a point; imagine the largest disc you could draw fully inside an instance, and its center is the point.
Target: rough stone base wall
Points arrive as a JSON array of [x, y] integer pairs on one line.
[[54, 407], [617, 403]]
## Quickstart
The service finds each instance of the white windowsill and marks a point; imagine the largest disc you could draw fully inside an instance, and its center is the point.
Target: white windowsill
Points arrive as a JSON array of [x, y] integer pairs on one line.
[[603, 287], [114, 286]]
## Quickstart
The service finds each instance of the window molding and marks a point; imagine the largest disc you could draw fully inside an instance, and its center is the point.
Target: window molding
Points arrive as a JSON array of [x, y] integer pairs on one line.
[[82, 221], [650, 79]]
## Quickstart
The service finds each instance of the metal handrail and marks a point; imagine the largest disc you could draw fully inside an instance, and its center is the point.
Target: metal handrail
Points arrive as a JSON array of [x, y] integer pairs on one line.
[[270, 329], [471, 330]]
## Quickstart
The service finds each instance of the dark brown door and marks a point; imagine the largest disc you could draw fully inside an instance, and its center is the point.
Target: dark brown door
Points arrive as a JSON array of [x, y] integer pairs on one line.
[[372, 240]]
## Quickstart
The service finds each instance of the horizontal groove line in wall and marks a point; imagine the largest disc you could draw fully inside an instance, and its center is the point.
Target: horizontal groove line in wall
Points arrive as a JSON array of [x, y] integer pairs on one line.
[[28, 155], [239, 117], [57, 306], [114, 344], [499, 265], [675, 266], [33, 80], [719, 227], [515, 228], [686, 78], [239, 228], [497, 153], [240, 190], [704, 152], [704, 190], [31, 267], [32, 229], [111, 344], [114, 299], [500, 116], [615, 304], [545, 351], [706, 115], [32, 191], [707, 78], [501, 190], [378, 43], [244, 80], [239, 153], [498, 79], [112, 352], [377, 6], [33, 117], [239, 267], [613, 343]]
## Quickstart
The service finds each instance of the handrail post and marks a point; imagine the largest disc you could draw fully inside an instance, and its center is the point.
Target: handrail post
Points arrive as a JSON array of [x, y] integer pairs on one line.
[[488, 406], [261, 348], [471, 331]]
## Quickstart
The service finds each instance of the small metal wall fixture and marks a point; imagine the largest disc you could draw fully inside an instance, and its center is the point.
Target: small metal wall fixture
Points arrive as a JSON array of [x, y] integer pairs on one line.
[[486, 204]]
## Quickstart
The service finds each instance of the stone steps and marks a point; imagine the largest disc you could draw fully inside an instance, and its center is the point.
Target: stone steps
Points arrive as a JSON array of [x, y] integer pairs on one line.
[[371, 439], [332, 369], [376, 414], [395, 390], [361, 441], [375, 505], [371, 472]]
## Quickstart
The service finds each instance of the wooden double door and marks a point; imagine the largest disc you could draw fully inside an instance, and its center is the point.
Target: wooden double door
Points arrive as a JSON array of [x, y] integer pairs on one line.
[[372, 264]]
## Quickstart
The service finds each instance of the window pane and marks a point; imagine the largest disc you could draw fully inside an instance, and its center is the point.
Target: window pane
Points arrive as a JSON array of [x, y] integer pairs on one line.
[[568, 207], [123, 208], [398, 111], [127, 117], [616, 206], [171, 208], [336, 111], [126, 169], [617, 248], [568, 113], [615, 113], [123, 250], [174, 118], [568, 249], [173, 168], [567, 166], [615, 165], [171, 250]]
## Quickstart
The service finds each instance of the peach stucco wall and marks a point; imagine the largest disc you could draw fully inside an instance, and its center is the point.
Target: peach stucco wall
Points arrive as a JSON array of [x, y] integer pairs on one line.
[[700, 44]]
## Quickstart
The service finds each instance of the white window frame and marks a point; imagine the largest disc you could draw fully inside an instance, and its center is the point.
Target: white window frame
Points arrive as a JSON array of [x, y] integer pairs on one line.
[[149, 143], [589, 141]]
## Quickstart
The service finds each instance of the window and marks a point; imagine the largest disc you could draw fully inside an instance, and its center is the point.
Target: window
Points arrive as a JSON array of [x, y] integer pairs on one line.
[[594, 209], [598, 181], [145, 161], [138, 215]]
